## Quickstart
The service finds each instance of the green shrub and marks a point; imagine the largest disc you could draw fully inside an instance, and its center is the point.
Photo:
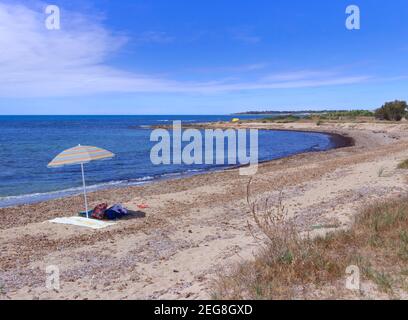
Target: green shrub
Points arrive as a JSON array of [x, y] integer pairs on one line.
[[282, 119], [339, 115], [403, 164], [349, 114], [392, 111]]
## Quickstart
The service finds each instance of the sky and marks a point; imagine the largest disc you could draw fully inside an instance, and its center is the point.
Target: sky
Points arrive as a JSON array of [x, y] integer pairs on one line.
[[200, 57]]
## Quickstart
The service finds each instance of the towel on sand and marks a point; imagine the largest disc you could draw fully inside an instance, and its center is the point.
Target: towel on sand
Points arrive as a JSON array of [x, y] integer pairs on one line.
[[83, 222]]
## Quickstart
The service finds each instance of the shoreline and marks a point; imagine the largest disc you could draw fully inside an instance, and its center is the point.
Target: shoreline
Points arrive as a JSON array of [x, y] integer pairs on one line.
[[337, 140], [340, 140]]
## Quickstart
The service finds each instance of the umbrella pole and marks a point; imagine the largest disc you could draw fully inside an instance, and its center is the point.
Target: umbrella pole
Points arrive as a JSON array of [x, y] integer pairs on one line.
[[83, 182]]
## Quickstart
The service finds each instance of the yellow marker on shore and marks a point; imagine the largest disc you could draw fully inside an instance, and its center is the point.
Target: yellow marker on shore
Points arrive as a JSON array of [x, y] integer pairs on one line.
[[235, 120]]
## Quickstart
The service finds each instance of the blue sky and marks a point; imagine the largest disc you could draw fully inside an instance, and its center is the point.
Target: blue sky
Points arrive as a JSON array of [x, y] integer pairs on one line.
[[200, 57]]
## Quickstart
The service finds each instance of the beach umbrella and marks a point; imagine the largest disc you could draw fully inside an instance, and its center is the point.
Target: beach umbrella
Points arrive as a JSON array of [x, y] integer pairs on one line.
[[80, 155]]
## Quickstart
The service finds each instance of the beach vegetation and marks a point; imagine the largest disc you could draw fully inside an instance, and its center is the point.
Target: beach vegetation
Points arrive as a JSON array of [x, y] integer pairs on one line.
[[282, 119], [320, 116], [340, 115], [344, 115], [403, 164], [287, 264], [380, 172], [392, 111]]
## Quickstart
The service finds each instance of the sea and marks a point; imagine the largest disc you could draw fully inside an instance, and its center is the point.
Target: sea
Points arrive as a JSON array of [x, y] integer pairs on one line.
[[29, 143]]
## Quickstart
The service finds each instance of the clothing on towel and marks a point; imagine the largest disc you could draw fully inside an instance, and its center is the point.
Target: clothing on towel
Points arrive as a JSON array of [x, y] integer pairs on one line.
[[117, 211]]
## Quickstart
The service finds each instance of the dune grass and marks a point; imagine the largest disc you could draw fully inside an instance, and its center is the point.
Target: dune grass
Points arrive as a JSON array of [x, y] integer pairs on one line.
[[403, 164], [281, 119], [283, 269]]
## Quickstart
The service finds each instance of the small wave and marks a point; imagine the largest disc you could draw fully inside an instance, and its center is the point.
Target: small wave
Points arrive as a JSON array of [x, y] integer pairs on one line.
[[9, 201], [195, 170], [187, 120], [139, 181]]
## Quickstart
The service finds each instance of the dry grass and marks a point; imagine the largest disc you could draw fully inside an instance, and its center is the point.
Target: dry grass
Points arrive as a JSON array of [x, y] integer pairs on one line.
[[287, 266]]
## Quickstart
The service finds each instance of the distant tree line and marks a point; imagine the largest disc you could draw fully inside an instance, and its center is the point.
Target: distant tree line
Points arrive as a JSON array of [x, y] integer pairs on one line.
[[300, 112], [390, 111], [336, 115]]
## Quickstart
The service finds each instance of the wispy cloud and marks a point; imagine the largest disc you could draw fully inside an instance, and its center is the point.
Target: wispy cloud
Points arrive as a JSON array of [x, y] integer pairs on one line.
[[245, 35], [154, 37], [36, 62], [301, 83], [300, 75], [233, 69]]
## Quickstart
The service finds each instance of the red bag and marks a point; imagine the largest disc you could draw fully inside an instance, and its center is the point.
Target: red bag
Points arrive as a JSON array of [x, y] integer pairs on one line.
[[99, 211]]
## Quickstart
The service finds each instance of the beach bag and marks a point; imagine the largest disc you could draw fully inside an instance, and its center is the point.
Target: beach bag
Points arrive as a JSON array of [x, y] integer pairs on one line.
[[117, 211], [99, 211]]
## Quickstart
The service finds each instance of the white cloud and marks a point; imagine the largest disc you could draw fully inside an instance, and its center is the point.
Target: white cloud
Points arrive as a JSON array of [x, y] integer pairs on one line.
[[36, 62], [233, 69], [299, 75]]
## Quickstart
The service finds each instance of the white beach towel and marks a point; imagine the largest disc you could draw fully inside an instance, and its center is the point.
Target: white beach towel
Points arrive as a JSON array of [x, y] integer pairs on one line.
[[83, 222]]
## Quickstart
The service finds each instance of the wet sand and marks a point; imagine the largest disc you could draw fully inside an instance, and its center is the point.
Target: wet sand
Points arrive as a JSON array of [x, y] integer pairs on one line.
[[196, 226]]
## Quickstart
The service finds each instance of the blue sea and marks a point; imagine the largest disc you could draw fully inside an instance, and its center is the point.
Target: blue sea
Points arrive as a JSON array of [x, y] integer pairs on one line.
[[29, 143]]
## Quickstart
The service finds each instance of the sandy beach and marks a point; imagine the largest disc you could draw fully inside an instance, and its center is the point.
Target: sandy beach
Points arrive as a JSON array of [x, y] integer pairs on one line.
[[196, 227]]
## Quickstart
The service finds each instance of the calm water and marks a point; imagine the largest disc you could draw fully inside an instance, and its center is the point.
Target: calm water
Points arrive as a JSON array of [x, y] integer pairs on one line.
[[28, 143]]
